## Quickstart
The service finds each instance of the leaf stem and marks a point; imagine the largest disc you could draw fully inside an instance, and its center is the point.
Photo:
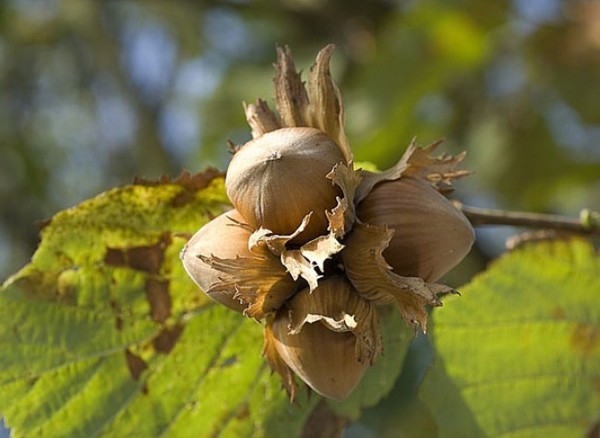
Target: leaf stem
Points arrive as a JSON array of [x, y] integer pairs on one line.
[[588, 222]]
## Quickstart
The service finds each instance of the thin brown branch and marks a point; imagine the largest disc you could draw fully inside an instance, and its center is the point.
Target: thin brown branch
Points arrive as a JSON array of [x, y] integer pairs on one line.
[[587, 224]]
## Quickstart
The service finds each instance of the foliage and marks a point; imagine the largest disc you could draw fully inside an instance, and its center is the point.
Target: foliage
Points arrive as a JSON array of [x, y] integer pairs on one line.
[[519, 353], [104, 335]]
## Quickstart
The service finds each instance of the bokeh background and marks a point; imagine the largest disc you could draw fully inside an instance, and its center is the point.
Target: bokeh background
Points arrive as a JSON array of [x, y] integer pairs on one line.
[[93, 93]]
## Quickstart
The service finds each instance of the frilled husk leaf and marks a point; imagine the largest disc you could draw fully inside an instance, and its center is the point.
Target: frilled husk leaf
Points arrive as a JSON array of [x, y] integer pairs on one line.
[[218, 259], [419, 163], [260, 282], [430, 235], [291, 98], [308, 261], [342, 217], [276, 243], [372, 276], [260, 118], [321, 107], [328, 338], [336, 304], [326, 107]]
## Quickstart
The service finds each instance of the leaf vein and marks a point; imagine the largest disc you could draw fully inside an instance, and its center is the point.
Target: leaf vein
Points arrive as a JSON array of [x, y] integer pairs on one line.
[[200, 379]]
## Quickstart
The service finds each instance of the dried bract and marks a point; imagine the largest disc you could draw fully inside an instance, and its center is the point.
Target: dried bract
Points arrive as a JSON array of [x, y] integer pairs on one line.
[[328, 337], [219, 260]]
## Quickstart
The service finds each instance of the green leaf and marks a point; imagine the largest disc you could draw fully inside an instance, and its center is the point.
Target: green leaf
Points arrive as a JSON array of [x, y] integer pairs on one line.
[[103, 333], [519, 353], [380, 379]]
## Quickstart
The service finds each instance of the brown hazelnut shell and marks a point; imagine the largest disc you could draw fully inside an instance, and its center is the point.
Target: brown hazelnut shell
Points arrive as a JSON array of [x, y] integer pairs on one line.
[[431, 236], [276, 179], [329, 337], [220, 237]]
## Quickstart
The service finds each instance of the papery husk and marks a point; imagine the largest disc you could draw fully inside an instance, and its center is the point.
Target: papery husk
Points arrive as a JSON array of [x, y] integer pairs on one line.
[[220, 262], [430, 235], [326, 107], [308, 261], [320, 107], [373, 278], [342, 217], [417, 162], [337, 305], [328, 337], [260, 118], [275, 180]]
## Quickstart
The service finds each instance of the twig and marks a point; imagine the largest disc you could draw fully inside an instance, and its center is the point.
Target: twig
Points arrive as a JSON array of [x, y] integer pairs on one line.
[[587, 224], [518, 240]]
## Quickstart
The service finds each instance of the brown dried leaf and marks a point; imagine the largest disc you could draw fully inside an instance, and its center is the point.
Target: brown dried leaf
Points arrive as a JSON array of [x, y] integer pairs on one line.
[[261, 282], [417, 162], [275, 242], [304, 262], [371, 275], [260, 118], [298, 266], [440, 170], [342, 217], [326, 107], [291, 98], [319, 250], [336, 304]]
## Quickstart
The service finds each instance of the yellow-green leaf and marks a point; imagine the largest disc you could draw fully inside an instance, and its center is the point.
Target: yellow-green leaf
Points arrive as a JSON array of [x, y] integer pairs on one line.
[[103, 333], [519, 353]]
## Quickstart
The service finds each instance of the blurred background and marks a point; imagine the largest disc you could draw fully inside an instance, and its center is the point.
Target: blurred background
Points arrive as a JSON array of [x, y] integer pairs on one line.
[[93, 93]]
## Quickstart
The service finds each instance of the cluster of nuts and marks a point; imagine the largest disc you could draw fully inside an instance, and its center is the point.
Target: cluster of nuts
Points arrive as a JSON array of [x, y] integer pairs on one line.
[[314, 244]]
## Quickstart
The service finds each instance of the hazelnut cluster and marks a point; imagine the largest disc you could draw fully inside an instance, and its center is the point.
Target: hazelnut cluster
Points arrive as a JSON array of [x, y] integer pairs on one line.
[[313, 245]]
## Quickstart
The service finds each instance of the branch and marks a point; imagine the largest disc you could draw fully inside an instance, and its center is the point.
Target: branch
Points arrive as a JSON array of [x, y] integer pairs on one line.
[[587, 224]]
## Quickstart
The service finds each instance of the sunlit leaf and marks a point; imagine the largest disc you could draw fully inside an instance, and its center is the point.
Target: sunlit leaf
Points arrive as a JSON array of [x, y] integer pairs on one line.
[[519, 353], [103, 333]]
